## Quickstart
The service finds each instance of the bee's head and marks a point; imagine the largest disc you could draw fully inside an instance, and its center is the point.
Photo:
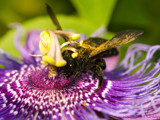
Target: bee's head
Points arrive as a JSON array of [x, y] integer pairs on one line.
[[69, 68]]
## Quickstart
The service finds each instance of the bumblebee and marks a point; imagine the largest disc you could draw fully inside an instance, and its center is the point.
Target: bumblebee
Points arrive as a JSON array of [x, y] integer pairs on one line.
[[91, 54], [91, 51]]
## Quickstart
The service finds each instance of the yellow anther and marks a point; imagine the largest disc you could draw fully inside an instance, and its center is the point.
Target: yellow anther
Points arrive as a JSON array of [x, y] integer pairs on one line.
[[46, 36], [70, 35], [49, 60], [61, 63], [74, 55], [45, 42], [74, 36]]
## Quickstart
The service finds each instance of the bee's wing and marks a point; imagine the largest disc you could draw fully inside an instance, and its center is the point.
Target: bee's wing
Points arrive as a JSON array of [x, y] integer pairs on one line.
[[118, 40], [54, 19]]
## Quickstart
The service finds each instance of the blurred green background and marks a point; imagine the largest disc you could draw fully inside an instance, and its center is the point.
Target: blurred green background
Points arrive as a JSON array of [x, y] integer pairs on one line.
[[84, 16]]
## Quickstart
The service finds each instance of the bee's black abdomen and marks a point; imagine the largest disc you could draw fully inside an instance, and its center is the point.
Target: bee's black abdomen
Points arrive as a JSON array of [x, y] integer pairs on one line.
[[108, 53], [111, 52]]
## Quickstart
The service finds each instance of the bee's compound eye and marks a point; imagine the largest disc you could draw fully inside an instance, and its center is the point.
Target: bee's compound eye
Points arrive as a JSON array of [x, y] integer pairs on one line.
[[71, 63], [69, 68]]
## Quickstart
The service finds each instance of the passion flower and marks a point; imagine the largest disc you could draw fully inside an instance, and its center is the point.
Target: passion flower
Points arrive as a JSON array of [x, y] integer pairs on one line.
[[27, 91]]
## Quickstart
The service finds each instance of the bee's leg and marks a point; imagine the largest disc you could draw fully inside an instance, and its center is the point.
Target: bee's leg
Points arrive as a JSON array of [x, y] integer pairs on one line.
[[101, 63], [77, 75], [99, 73]]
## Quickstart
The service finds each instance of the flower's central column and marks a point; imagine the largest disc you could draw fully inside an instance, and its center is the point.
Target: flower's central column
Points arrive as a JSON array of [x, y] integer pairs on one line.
[[52, 50]]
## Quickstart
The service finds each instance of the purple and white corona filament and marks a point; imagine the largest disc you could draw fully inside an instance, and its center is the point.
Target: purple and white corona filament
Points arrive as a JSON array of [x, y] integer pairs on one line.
[[131, 90]]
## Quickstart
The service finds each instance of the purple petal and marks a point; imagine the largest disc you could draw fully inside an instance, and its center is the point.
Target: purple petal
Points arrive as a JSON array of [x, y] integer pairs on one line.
[[33, 39], [8, 61], [32, 42], [21, 96], [100, 32]]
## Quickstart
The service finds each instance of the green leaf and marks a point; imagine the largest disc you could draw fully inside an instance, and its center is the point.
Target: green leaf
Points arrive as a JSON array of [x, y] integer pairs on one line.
[[96, 11], [69, 23], [131, 14]]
